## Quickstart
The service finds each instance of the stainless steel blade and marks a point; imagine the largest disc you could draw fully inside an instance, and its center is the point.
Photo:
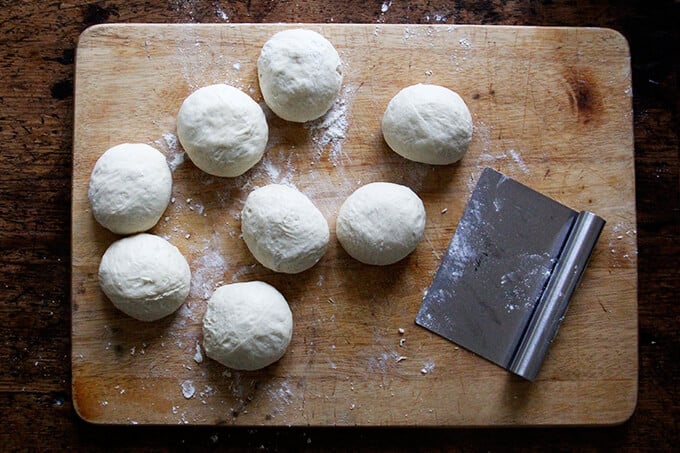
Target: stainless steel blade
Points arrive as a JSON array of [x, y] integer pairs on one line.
[[495, 270]]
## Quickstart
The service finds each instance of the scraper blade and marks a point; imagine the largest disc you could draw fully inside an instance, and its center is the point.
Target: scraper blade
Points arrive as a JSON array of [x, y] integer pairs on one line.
[[507, 276]]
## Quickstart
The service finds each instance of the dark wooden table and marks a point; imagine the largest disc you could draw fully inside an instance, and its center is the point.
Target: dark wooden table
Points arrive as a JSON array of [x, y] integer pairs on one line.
[[37, 42]]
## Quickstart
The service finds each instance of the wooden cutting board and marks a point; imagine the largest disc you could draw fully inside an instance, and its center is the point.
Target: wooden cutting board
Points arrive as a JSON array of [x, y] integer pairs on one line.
[[551, 108]]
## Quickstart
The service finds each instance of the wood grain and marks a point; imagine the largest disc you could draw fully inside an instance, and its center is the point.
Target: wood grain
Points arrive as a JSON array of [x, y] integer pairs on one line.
[[552, 108]]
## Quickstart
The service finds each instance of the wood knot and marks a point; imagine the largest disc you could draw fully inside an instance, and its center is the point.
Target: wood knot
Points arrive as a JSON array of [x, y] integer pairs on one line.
[[584, 97]]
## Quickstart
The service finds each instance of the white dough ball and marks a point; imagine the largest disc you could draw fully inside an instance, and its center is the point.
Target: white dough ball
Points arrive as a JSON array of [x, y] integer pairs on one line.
[[130, 188], [222, 129], [429, 124], [283, 229], [247, 326], [144, 276], [300, 75], [381, 223]]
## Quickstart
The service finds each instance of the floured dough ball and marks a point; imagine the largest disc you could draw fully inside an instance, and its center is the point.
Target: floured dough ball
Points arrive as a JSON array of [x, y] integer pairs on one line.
[[144, 276], [429, 124], [130, 188], [300, 76], [283, 229], [247, 326], [381, 223], [222, 129]]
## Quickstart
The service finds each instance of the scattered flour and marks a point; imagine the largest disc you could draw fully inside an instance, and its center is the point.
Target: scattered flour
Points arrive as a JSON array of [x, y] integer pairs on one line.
[[280, 172], [271, 169], [188, 389], [243, 271], [201, 64], [514, 156], [622, 243], [169, 145], [170, 141], [207, 270], [384, 361], [219, 12], [517, 158], [435, 17], [185, 6], [482, 133], [427, 367], [331, 129], [281, 394], [198, 356], [207, 391]]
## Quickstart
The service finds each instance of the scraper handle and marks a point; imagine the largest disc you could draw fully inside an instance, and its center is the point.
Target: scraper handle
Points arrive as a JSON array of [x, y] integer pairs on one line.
[[555, 298]]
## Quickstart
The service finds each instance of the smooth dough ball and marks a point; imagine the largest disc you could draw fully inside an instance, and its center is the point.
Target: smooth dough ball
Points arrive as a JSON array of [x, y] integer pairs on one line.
[[381, 223], [222, 129], [247, 326], [429, 124], [144, 276], [300, 76], [130, 188], [283, 229]]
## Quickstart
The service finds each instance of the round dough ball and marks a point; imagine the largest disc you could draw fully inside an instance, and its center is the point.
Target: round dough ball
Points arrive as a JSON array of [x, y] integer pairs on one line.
[[300, 76], [247, 326], [222, 129], [144, 276], [429, 124], [283, 229], [381, 223], [130, 188]]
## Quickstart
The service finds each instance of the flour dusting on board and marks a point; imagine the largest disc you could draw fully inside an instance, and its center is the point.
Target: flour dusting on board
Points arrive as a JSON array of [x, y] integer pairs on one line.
[[281, 394], [384, 361], [427, 367], [202, 64], [198, 355], [622, 244], [482, 133], [517, 159], [279, 167], [512, 159], [188, 389], [330, 131], [170, 147], [207, 270]]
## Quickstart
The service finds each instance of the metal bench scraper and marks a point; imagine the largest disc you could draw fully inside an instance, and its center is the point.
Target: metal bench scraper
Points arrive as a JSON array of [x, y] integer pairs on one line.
[[506, 279]]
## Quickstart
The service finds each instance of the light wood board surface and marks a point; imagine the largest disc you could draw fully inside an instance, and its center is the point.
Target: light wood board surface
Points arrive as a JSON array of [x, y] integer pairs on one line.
[[551, 108]]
